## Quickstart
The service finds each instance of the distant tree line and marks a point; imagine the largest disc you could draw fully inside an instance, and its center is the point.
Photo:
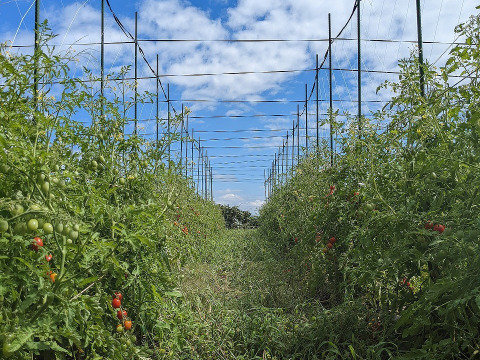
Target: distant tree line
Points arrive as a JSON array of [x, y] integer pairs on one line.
[[237, 219]]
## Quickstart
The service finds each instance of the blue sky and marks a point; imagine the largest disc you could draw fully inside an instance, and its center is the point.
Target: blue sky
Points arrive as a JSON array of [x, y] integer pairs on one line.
[[237, 154]]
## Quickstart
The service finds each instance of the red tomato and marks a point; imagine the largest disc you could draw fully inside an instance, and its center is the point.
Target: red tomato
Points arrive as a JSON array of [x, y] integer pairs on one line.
[[127, 324], [116, 303], [428, 225], [333, 240], [121, 314], [440, 228], [118, 295], [329, 245], [53, 277], [37, 242], [48, 257]]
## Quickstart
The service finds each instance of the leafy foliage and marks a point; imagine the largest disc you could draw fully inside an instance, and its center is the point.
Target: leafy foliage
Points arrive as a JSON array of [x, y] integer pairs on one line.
[[102, 204], [236, 218], [387, 184]]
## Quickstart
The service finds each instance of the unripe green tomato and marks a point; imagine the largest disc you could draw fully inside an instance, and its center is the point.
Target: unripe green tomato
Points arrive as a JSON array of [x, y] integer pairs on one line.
[[448, 231], [470, 250], [32, 224], [3, 226], [76, 227], [56, 167], [59, 228], [40, 223], [121, 181], [115, 171], [100, 136], [66, 230], [17, 210], [69, 241], [20, 228], [51, 196], [54, 180], [40, 177], [73, 235], [101, 159], [7, 348], [119, 328], [48, 228], [45, 187], [61, 184], [35, 207], [4, 168], [93, 164]]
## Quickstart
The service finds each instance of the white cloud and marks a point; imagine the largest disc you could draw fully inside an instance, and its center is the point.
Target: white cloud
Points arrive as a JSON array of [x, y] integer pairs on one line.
[[253, 19]]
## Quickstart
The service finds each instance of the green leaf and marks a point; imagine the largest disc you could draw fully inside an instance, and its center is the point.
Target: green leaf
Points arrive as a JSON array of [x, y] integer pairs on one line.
[[174, 293], [29, 300], [19, 339]]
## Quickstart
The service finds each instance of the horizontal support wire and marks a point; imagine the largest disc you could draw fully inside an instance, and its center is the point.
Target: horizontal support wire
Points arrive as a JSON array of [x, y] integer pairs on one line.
[[394, 41]]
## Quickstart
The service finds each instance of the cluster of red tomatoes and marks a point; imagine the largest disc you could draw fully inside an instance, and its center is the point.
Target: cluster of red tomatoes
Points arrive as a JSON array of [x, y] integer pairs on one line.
[[121, 313], [435, 227], [329, 245], [406, 283], [38, 243]]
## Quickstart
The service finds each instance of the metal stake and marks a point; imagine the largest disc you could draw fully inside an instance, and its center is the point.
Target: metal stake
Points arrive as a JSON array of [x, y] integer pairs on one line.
[[420, 49], [330, 85], [359, 58], [136, 71]]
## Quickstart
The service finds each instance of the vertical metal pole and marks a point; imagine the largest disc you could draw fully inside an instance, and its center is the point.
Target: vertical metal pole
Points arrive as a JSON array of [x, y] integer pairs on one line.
[[273, 171], [359, 58], [35, 55], [203, 183], [206, 175], [181, 142], [306, 119], [168, 122], [283, 157], [316, 84], [211, 184], [264, 183], [268, 183], [124, 116], [286, 167], [198, 168], [186, 149], [156, 114], [278, 167], [293, 144], [136, 71], [298, 134], [330, 85], [193, 174], [102, 53], [420, 48]]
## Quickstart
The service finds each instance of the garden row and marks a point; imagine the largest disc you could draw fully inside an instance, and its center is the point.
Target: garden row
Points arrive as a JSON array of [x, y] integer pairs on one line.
[[92, 222], [386, 242]]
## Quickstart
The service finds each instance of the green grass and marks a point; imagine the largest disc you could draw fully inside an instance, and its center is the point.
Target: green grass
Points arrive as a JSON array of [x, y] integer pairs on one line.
[[241, 302]]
